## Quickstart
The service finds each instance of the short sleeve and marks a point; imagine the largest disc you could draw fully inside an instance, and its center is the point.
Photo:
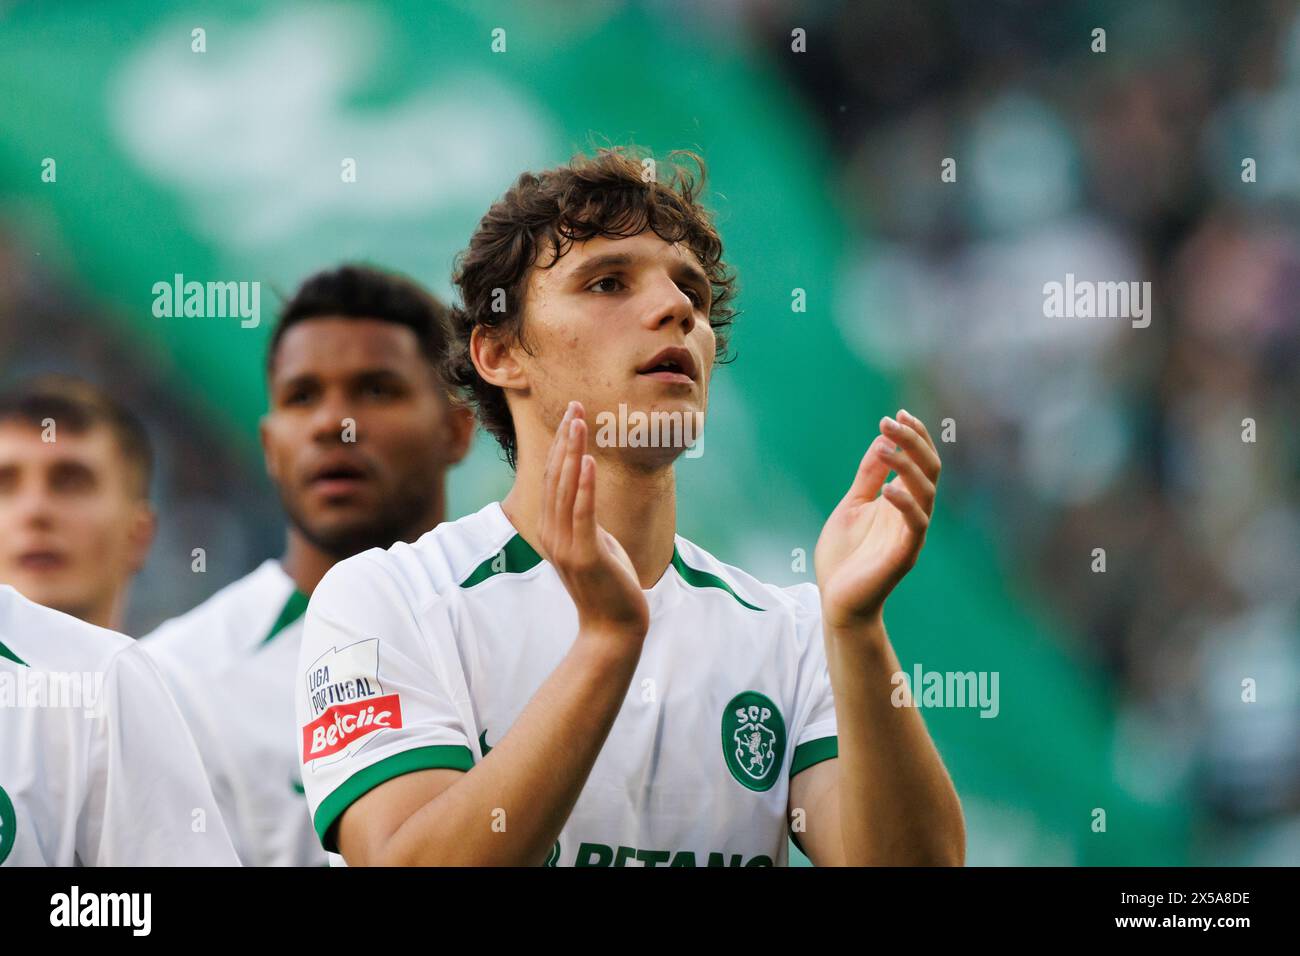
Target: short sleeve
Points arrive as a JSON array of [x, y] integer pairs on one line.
[[815, 734], [148, 801], [372, 703]]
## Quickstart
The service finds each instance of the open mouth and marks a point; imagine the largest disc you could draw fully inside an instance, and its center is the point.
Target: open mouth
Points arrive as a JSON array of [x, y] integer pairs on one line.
[[338, 478], [671, 365]]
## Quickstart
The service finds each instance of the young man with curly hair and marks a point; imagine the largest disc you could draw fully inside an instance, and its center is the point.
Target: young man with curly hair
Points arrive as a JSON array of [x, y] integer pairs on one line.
[[560, 677]]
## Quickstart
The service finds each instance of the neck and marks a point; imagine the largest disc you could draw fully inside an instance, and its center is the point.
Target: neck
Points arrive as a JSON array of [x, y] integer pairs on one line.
[[637, 506], [306, 563], [108, 613]]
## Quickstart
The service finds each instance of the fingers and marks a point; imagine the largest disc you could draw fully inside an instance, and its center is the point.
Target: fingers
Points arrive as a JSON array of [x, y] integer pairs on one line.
[[920, 449], [911, 475], [871, 471], [913, 514], [551, 475], [584, 508], [566, 490], [908, 418]]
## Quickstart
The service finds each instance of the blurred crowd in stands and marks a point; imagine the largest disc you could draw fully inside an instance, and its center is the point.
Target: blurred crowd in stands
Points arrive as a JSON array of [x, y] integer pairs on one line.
[[1075, 434]]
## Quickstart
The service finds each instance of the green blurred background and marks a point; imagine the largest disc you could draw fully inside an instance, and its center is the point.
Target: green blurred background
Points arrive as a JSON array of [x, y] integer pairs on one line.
[[1118, 691]]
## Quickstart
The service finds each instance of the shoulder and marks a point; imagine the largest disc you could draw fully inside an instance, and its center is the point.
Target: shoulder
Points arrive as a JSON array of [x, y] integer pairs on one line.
[[46, 639], [232, 620], [418, 573], [698, 567]]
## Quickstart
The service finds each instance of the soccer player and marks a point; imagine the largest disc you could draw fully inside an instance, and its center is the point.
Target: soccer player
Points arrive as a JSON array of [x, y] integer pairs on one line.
[[358, 439], [97, 768], [561, 678], [75, 519]]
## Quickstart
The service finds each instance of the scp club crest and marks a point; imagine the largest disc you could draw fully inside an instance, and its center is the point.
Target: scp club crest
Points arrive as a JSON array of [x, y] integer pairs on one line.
[[753, 740]]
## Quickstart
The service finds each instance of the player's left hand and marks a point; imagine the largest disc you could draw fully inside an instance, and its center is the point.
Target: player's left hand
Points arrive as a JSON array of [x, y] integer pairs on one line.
[[874, 535]]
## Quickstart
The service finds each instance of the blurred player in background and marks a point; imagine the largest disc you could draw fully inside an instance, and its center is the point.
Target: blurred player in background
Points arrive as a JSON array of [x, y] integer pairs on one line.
[[96, 767], [75, 519], [359, 437]]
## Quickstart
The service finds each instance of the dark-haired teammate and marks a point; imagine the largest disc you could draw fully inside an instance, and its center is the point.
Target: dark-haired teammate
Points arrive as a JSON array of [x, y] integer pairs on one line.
[[562, 678], [359, 436]]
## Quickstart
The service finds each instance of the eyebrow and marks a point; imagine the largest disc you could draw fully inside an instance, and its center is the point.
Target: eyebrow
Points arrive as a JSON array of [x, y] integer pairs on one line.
[[681, 269], [361, 374]]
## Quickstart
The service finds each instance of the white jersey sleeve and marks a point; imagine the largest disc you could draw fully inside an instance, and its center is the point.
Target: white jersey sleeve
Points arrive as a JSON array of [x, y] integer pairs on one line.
[[372, 701], [148, 801], [814, 733]]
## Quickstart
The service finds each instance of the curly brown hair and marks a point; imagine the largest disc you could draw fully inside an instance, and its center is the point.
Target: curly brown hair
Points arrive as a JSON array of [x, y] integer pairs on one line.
[[606, 195]]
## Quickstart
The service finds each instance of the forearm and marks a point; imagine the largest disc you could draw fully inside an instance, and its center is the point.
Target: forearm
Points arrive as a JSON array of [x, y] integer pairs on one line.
[[897, 803], [509, 809]]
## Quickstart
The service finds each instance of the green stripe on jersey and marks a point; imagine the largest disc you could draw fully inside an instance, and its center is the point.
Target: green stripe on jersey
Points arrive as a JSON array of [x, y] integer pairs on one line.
[[814, 751], [703, 579], [293, 609], [516, 557], [445, 757], [10, 655]]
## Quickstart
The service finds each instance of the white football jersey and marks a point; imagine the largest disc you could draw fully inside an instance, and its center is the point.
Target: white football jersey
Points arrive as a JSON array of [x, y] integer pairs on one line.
[[423, 656], [231, 663], [96, 765]]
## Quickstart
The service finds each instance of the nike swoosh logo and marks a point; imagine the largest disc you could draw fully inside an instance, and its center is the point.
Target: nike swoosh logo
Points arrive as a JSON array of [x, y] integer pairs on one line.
[[483, 744]]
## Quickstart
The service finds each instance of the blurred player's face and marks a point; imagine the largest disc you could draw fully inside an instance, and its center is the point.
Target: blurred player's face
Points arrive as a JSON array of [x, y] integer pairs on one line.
[[616, 321], [347, 487], [74, 528]]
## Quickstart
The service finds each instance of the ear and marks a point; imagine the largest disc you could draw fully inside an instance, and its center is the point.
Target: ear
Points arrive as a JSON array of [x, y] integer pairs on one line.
[[496, 359], [144, 526], [460, 421], [264, 438]]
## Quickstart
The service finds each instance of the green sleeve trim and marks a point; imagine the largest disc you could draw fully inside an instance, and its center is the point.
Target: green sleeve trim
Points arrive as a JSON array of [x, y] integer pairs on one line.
[[446, 757], [807, 754], [814, 752]]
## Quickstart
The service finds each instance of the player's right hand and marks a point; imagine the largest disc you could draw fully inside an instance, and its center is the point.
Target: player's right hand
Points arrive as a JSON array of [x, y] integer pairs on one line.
[[595, 569]]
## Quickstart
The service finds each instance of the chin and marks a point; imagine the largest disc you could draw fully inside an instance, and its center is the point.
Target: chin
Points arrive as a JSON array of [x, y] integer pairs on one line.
[[654, 433]]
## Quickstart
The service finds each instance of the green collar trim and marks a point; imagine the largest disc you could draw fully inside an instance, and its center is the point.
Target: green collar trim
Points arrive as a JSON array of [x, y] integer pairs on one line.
[[293, 609], [516, 557], [10, 655], [703, 579]]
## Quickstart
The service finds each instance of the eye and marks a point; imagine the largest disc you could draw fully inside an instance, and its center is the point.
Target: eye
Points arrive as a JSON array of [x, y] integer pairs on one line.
[[693, 294], [381, 390], [595, 286], [73, 478]]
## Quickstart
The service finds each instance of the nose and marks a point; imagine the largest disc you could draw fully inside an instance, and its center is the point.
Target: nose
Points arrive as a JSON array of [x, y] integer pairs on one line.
[[327, 422], [33, 507], [671, 306]]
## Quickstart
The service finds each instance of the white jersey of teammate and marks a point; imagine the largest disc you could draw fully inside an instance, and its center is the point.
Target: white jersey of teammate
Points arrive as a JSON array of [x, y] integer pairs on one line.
[[231, 664], [424, 655], [96, 765]]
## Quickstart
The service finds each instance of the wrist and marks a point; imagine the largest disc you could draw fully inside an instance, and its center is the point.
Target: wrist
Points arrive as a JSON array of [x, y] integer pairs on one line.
[[609, 647], [856, 627]]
